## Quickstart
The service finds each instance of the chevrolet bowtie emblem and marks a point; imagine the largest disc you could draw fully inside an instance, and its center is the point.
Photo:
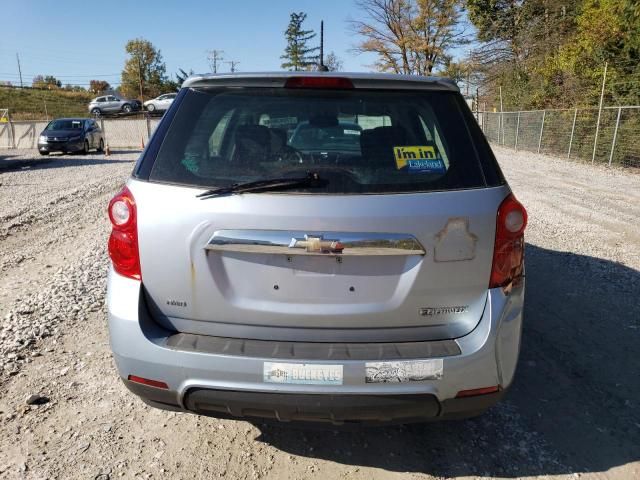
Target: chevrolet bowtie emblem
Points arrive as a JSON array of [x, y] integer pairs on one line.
[[317, 244]]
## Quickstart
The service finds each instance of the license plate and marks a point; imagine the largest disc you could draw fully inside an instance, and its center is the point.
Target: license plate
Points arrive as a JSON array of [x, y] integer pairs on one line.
[[302, 373]]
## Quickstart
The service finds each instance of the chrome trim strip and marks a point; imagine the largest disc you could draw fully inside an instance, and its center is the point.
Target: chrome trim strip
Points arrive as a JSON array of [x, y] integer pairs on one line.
[[282, 242]]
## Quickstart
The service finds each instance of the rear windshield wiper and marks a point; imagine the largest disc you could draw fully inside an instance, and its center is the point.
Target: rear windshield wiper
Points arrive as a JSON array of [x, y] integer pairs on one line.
[[312, 180]]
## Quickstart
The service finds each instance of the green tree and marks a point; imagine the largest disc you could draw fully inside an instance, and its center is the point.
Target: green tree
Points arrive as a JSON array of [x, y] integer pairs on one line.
[[298, 55], [48, 81], [143, 70], [181, 76]]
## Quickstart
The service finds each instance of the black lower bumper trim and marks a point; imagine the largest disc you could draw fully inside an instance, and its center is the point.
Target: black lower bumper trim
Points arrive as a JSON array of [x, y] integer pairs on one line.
[[336, 409], [341, 409]]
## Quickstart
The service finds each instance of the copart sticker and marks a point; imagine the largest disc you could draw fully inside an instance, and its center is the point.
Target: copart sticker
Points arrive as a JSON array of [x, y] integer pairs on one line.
[[418, 159], [404, 371]]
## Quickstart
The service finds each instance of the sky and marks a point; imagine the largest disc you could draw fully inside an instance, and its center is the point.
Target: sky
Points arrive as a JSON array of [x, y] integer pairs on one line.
[[77, 41]]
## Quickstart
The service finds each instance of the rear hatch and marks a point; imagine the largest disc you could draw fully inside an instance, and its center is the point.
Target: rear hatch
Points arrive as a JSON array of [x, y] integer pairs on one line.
[[394, 241]]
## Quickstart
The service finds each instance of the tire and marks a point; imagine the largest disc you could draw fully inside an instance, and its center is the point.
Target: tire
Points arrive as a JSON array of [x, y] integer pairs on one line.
[[85, 150], [96, 111], [126, 108], [44, 153], [101, 146], [151, 108]]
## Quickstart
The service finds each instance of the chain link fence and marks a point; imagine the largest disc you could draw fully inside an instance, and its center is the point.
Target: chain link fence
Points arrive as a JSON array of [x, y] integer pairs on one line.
[[609, 136], [128, 132], [574, 133]]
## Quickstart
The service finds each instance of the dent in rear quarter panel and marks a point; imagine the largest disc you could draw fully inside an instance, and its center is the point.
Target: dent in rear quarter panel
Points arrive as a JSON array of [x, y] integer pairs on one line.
[[510, 332]]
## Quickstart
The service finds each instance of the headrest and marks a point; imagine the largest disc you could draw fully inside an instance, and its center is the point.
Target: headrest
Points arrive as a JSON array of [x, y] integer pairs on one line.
[[377, 143]]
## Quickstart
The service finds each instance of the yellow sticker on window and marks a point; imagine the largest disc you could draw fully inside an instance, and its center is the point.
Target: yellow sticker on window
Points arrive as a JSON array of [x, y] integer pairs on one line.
[[419, 159]]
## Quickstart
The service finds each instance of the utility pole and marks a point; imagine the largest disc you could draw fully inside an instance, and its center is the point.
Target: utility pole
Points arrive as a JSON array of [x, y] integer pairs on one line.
[[501, 119], [233, 64], [19, 69], [140, 79], [468, 75], [595, 142], [321, 67], [215, 57]]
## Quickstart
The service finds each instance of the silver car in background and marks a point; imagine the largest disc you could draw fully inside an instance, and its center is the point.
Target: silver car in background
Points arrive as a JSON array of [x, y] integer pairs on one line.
[[160, 103], [369, 271], [112, 104]]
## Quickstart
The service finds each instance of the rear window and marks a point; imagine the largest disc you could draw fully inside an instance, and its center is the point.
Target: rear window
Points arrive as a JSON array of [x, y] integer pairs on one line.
[[359, 141]]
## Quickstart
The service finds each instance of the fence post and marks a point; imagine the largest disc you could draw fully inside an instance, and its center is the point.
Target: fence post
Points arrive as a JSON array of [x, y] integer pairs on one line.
[[104, 132], [517, 131], [12, 130], [595, 141], [573, 129], [148, 121], [544, 114], [615, 136]]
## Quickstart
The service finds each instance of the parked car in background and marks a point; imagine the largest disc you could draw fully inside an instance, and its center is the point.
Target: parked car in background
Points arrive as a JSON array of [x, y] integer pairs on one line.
[[109, 104], [161, 103], [367, 269], [68, 135]]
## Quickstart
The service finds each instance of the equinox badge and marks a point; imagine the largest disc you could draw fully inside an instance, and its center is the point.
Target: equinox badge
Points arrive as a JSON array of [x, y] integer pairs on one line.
[[317, 244]]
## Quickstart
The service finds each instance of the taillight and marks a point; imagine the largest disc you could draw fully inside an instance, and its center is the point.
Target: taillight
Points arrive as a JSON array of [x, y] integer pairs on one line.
[[508, 251], [123, 242], [319, 82]]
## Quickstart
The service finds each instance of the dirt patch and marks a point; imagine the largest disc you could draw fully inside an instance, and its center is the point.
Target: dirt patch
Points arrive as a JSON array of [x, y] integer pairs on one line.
[[573, 410]]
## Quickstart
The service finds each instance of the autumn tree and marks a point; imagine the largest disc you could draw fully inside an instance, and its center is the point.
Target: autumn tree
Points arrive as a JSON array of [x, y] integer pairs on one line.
[[144, 71], [409, 36], [98, 86], [551, 54], [298, 55]]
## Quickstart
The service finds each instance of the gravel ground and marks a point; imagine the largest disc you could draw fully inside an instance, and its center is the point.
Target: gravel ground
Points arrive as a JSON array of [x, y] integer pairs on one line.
[[573, 411]]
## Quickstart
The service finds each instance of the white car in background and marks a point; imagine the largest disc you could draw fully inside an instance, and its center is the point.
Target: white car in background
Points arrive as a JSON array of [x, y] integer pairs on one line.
[[161, 103]]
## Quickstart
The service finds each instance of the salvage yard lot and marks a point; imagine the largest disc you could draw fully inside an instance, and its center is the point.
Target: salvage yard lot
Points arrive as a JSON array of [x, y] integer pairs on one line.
[[574, 408]]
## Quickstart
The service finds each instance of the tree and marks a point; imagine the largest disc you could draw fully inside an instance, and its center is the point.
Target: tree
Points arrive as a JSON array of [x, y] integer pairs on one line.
[[98, 86], [38, 82], [49, 82], [552, 54], [333, 63], [409, 36], [143, 70], [297, 54], [181, 76], [74, 88]]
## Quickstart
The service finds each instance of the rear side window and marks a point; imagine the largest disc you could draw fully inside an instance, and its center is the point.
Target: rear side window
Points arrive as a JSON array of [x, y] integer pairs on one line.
[[360, 141]]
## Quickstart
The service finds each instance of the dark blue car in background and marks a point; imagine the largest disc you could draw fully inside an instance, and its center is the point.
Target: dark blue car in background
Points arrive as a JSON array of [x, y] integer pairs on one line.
[[69, 135]]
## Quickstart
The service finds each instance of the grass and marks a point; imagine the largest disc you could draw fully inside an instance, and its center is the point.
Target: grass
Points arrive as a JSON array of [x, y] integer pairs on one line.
[[30, 104]]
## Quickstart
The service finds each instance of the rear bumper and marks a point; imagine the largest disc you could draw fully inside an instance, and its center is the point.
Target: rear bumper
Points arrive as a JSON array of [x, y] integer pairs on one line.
[[233, 386], [310, 408]]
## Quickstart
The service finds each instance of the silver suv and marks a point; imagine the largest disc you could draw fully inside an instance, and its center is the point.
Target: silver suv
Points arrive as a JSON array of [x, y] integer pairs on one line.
[[112, 104], [371, 271]]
